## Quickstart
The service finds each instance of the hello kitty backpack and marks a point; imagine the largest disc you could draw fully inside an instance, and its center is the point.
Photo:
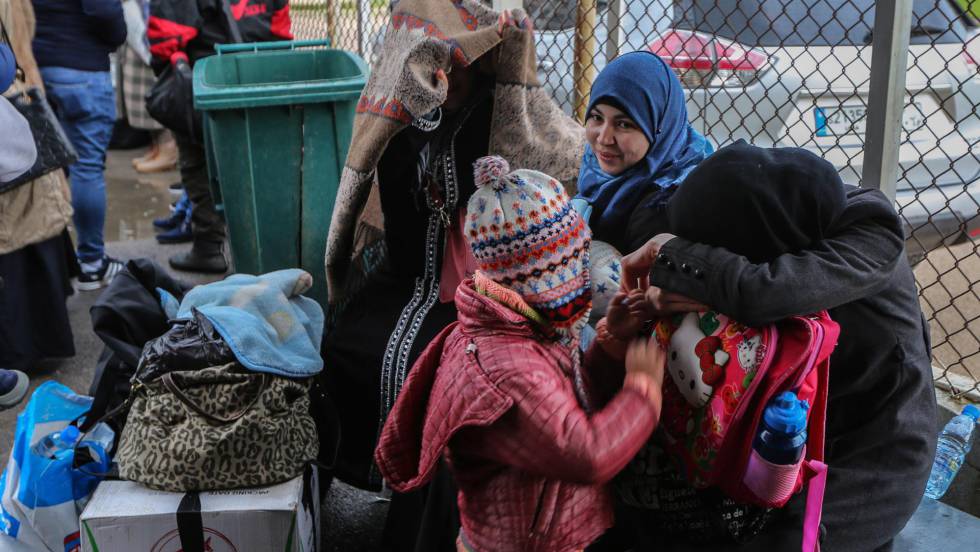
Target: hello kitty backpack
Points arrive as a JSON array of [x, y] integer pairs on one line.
[[720, 377]]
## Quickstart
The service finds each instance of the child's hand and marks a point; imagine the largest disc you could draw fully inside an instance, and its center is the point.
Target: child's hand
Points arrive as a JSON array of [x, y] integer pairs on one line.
[[645, 362], [626, 314], [645, 355]]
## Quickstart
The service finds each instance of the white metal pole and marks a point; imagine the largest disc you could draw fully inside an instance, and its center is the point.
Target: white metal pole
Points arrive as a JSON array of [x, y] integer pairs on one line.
[[501, 5], [886, 100], [614, 29]]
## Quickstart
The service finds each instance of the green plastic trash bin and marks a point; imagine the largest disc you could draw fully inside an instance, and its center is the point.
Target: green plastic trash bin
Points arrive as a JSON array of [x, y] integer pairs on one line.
[[277, 122]]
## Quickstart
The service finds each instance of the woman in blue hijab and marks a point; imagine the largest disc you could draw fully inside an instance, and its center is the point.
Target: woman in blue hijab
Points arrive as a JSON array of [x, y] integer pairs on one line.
[[640, 146]]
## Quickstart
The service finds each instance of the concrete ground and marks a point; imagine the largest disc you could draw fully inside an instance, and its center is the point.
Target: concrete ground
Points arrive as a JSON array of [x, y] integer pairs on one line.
[[352, 519]]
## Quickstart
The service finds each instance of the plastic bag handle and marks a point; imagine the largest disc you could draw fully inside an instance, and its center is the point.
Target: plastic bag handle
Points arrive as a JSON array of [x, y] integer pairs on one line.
[[172, 386]]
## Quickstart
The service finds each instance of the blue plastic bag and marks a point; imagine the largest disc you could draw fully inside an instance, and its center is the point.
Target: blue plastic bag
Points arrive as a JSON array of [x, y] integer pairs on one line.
[[41, 498]]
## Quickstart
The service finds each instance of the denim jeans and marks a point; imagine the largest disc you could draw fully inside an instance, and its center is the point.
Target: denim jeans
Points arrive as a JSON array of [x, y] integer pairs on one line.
[[85, 104]]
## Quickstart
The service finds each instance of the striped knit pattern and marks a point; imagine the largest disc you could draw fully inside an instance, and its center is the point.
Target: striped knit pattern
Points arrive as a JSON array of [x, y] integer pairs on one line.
[[526, 236], [508, 298]]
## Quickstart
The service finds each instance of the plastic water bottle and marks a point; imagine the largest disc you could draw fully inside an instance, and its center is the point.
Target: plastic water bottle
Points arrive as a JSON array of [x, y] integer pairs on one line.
[[954, 443], [49, 446], [777, 451], [782, 433]]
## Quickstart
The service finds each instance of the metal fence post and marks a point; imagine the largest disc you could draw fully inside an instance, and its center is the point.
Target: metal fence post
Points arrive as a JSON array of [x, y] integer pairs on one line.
[[501, 5], [331, 23], [886, 100], [614, 29], [585, 47]]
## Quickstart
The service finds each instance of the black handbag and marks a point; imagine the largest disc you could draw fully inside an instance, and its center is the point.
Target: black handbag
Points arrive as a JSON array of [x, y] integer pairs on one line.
[[54, 150], [171, 99]]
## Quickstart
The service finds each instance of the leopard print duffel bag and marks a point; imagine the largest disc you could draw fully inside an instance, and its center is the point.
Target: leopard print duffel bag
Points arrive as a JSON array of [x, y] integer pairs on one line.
[[222, 427]]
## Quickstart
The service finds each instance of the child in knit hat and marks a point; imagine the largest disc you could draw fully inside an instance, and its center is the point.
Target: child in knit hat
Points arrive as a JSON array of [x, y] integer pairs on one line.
[[502, 393]]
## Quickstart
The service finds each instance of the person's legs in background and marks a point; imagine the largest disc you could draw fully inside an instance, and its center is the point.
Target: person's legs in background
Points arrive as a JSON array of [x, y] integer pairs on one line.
[[208, 225], [162, 155], [177, 227], [85, 105]]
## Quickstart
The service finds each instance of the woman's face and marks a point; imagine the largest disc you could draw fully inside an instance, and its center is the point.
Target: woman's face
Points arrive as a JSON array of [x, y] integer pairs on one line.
[[615, 138], [461, 80]]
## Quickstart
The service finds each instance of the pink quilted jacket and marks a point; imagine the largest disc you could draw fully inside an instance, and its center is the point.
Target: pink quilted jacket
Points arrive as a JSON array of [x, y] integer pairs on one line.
[[530, 463]]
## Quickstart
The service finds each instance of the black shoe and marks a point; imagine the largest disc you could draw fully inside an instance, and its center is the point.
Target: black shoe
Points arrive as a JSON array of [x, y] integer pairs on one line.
[[203, 257], [177, 188], [91, 281]]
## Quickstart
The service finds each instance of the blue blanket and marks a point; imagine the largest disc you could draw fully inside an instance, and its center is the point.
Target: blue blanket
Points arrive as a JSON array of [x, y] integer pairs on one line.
[[265, 320]]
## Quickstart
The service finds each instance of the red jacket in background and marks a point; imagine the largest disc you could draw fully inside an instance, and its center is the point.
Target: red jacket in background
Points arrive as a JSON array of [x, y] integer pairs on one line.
[[195, 26], [530, 463]]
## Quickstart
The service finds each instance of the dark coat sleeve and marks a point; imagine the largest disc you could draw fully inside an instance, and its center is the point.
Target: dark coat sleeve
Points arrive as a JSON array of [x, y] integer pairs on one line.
[[111, 22], [856, 262]]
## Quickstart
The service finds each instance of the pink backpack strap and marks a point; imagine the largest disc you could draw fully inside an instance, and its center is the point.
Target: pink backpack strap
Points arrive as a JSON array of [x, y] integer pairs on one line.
[[815, 470], [817, 474]]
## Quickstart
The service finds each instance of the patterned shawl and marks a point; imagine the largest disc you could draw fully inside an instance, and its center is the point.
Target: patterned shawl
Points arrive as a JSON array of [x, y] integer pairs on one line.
[[527, 128]]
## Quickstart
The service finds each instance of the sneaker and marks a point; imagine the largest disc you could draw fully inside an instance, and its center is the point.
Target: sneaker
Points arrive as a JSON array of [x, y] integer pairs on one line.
[[177, 188], [180, 234], [177, 216], [91, 281], [13, 387], [171, 222]]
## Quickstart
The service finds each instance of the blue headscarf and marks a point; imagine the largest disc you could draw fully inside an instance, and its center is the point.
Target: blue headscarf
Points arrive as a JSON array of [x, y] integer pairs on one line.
[[8, 67], [643, 86]]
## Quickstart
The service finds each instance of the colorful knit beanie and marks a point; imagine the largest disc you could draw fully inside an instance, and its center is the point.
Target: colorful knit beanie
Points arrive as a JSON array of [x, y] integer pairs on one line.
[[526, 236]]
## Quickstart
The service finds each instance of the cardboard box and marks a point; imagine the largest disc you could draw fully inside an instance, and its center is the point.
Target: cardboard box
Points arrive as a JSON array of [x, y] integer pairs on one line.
[[125, 517]]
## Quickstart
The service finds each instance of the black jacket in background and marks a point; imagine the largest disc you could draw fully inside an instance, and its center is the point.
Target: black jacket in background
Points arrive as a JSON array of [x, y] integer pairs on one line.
[[195, 26], [78, 34], [881, 416]]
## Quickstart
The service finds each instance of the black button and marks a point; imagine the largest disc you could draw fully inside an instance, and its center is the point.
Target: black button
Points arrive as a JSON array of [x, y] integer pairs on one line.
[[669, 264], [662, 258], [698, 273], [685, 268]]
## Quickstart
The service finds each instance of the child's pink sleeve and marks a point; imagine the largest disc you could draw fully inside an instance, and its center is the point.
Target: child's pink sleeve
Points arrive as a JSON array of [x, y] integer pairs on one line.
[[546, 432]]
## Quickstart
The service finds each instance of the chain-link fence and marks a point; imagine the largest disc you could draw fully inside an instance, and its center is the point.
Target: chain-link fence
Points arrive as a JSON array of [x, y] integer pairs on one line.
[[354, 25], [788, 73], [797, 73]]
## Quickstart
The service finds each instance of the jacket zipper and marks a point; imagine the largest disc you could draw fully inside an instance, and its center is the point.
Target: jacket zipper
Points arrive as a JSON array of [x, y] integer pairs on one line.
[[537, 512], [471, 349]]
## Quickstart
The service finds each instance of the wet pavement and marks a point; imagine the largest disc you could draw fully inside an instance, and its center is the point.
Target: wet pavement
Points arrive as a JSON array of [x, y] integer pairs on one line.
[[133, 200]]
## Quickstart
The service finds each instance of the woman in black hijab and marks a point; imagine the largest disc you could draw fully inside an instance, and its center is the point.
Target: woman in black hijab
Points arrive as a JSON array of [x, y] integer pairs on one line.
[[787, 237], [758, 202]]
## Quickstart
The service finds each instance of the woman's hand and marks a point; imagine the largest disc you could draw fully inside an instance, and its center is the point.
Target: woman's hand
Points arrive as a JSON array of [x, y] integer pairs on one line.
[[627, 313], [507, 19], [636, 265], [664, 303]]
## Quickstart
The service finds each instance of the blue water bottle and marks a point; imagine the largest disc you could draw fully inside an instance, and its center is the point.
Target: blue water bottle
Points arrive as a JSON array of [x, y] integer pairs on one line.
[[782, 433], [777, 451], [49, 446], [954, 443]]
